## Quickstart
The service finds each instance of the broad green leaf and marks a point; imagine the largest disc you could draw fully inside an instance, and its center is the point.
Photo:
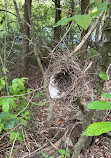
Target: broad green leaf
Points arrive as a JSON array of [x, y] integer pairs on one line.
[[98, 128], [14, 86], [15, 80], [17, 135], [13, 135], [5, 106], [103, 75], [107, 95], [62, 151], [64, 21], [83, 20], [102, 6], [67, 154], [20, 137], [13, 104], [2, 82], [20, 82], [4, 115], [1, 126], [10, 124], [99, 105]]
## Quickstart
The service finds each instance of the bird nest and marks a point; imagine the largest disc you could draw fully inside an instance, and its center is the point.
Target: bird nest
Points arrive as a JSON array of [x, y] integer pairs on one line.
[[66, 76]]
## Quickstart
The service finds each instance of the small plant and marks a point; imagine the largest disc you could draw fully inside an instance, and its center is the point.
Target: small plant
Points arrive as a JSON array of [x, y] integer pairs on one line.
[[63, 154], [13, 106], [99, 128]]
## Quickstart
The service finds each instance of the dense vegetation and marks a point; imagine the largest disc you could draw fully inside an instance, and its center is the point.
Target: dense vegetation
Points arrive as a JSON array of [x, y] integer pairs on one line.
[[68, 42]]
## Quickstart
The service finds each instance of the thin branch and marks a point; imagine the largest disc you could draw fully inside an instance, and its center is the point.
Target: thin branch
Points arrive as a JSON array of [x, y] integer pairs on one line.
[[87, 35], [3, 10], [62, 38], [13, 145]]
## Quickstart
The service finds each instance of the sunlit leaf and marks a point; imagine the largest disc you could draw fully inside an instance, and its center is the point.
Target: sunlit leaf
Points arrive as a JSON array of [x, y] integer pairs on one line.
[[64, 21], [107, 95], [102, 6], [83, 20], [17, 135], [14, 86], [20, 82], [99, 105], [5, 106], [98, 128], [62, 151], [103, 75], [2, 82]]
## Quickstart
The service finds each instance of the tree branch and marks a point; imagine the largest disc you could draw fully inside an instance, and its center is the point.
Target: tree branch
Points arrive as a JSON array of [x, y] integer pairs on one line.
[[87, 35]]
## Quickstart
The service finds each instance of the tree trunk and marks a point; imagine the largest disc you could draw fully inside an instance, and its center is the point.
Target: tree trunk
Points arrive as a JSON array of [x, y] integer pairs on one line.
[[102, 65], [84, 10], [26, 36], [57, 30], [71, 33]]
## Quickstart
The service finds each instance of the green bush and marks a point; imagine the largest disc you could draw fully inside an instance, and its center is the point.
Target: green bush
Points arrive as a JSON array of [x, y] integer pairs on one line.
[[13, 105]]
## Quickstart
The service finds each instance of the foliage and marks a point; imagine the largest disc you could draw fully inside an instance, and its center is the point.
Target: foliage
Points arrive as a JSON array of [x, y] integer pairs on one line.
[[13, 107], [98, 128], [83, 20]]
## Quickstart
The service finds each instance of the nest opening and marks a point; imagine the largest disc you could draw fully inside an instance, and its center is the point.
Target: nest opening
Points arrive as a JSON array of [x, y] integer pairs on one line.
[[63, 80]]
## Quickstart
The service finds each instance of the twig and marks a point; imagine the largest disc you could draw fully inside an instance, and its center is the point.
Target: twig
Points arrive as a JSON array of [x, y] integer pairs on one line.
[[62, 38], [87, 35], [88, 66], [13, 145], [24, 108]]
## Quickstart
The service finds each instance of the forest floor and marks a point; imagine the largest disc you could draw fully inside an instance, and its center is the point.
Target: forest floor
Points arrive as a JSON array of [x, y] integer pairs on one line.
[[37, 136]]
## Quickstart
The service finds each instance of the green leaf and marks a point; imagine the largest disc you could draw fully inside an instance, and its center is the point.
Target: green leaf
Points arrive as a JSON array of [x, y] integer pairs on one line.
[[1, 126], [10, 124], [20, 137], [24, 122], [17, 135], [107, 95], [67, 154], [20, 82], [15, 80], [13, 104], [103, 75], [13, 135], [24, 78], [64, 21], [4, 115], [2, 82], [83, 20], [14, 86], [62, 151], [99, 105], [5, 106], [98, 128], [102, 6]]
